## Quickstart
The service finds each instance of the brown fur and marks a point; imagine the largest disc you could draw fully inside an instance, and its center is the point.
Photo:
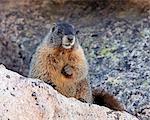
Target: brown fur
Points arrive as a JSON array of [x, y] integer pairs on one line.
[[49, 61], [47, 64], [106, 99]]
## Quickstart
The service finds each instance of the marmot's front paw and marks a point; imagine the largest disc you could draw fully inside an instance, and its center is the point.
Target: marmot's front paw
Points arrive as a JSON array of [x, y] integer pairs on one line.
[[67, 70]]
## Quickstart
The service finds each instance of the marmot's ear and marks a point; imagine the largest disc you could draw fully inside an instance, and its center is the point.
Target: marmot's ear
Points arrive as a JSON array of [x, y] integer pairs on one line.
[[53, 27]]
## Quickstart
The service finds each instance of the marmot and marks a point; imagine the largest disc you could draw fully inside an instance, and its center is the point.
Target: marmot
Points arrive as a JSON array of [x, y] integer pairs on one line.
[[59, 60]]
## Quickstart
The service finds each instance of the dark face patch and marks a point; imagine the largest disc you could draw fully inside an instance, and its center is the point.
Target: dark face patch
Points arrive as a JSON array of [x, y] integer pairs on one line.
[[65, 29]]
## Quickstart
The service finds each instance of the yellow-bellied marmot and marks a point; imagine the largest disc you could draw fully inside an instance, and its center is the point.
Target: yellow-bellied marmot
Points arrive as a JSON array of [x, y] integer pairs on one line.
[[60, 61]]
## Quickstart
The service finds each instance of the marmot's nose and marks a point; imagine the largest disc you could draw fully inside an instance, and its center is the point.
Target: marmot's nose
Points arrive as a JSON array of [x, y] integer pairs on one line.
[[70, 38]]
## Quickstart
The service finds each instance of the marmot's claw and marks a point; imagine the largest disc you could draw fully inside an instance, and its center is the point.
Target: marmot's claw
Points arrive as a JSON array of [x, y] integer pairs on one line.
[[67, 70]]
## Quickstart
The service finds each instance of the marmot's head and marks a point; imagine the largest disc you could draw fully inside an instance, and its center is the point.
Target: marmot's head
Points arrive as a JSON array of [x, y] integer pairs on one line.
[[63, 35]]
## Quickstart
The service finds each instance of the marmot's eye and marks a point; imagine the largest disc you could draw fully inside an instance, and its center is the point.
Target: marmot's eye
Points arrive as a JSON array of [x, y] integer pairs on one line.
[[77, 32], [59, 31]]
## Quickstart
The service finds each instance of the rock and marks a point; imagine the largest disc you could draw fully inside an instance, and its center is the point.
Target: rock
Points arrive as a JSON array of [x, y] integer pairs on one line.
[[25, 98], [114, 35]]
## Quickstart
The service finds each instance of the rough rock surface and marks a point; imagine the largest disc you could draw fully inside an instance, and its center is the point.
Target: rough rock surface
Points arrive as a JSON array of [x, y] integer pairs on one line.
[[114, 35], [30, 99]]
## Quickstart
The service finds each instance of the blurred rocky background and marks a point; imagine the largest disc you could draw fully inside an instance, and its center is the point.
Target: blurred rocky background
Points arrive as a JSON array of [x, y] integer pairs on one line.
[[115, 35]]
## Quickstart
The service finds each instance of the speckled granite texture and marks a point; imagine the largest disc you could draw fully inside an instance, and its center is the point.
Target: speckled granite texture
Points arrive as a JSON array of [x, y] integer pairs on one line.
[[29, 99], [115, 38]]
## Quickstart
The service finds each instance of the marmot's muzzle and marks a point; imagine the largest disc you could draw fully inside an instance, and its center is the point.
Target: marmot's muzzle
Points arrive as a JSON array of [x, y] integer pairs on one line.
[[68, 41]]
